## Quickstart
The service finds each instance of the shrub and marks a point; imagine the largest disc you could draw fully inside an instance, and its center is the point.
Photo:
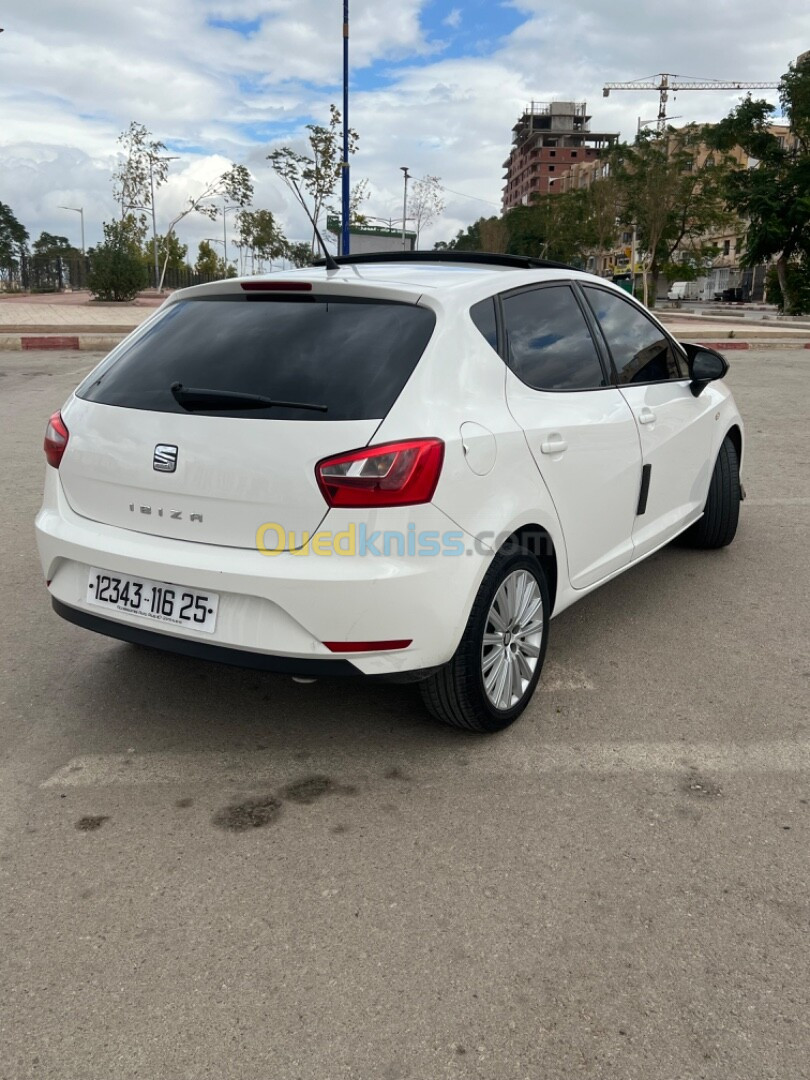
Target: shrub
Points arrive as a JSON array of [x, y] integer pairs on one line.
[[117, 271]]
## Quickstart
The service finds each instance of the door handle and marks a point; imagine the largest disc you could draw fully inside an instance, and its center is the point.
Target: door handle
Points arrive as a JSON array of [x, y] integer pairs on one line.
[[554, 444], [646, 416]]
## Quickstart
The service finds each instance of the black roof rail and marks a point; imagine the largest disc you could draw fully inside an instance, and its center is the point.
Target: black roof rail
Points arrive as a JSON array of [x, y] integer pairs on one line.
[[478, 258]]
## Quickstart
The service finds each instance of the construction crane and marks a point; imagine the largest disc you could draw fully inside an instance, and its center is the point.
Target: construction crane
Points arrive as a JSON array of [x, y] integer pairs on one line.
[[673, 83]]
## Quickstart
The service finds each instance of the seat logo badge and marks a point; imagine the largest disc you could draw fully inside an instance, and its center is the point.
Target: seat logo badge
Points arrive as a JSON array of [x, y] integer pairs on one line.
[[164, 458]]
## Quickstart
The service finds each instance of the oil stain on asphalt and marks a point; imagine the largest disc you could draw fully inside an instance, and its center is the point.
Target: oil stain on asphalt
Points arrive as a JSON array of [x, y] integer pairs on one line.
[[255, 813], [91, 823], [250, 814]]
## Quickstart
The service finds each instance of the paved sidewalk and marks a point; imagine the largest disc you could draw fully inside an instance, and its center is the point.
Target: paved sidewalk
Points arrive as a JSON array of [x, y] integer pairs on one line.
[[72, 313]]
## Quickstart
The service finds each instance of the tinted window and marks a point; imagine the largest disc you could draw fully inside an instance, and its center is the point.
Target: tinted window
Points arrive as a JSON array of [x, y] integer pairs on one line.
[[354, 356], [483, 315], [550, 345], [640, 351]]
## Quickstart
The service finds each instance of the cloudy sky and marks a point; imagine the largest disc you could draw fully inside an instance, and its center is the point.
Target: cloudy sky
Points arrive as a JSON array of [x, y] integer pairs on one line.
[[435, 85]]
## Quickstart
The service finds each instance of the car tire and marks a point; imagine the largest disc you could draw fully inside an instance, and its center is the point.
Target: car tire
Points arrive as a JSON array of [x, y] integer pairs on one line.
[[493, 673], [718, 525]]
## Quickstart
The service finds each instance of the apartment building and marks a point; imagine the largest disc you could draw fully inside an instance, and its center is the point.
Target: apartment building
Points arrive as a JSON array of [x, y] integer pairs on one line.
[[547, 140]]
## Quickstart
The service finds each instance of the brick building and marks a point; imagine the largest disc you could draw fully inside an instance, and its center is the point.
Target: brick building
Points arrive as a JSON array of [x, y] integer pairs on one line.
[[547, 140]]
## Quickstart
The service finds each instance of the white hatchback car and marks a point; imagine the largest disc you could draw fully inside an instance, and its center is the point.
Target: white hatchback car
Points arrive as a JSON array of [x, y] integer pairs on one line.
[[400, 468]]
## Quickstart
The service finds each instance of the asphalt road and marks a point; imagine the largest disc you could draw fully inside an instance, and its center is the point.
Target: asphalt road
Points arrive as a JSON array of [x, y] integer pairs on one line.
[[617, 887]]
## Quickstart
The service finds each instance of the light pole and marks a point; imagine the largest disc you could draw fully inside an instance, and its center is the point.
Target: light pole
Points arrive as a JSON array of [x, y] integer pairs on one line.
[[633, 262], [79, 210], [404, 169], [225, 211], [344, 238]]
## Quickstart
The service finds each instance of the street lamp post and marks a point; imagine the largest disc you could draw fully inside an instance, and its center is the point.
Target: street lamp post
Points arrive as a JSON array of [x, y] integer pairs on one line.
[[633, 261], [225, 211], [404, 169], [344, 237], [78, 210]]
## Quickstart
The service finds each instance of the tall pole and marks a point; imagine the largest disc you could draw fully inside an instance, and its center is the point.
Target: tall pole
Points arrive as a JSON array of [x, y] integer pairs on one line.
[[404, 169], [633, 263], [154, 222], [80, 211], [225, 211], [344, 238]]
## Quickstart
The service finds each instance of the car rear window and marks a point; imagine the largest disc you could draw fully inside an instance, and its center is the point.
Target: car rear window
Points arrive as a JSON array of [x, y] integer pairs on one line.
[[351, 355]]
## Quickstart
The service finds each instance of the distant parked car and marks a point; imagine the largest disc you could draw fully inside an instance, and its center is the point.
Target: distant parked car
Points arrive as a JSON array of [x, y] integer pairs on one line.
[[732, 296], [683, 290], [402, 467]]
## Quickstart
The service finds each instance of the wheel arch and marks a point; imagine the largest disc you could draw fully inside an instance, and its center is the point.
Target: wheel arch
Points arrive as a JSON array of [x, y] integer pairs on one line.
[[735, 434], [540, 542]]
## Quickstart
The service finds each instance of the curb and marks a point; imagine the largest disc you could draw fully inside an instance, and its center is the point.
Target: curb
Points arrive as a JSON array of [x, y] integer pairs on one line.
[[763, 346], [62, 342], [66, 329]]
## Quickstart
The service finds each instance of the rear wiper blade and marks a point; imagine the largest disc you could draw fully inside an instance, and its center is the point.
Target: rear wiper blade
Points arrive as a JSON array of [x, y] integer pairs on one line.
[[198, 398]]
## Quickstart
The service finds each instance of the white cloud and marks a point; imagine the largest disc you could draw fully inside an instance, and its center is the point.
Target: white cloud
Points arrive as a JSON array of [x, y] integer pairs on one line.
[[453, 20]]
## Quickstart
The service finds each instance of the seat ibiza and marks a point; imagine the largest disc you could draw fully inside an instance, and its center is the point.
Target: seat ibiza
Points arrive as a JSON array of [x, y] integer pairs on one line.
[[400, 468]]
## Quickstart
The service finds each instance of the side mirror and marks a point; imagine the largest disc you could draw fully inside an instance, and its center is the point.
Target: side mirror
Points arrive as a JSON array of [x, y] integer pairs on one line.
[[705, 365]]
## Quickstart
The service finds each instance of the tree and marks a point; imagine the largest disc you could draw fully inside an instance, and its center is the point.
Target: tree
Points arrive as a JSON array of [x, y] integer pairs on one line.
[[260, 236], [13, 246], [494, 234], [601, 207], [798, 278], [774, 195], [48, 262], [117, 270], [673, 192], [299, 253], [236, 185], [317, 175], [142, 169], [468, 239], [425, 203], [357, 196], [209, 263], [553, 227], [170, 251]]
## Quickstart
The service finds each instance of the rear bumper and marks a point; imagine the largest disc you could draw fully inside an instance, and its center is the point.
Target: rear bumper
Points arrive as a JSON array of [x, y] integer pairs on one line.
[[203, 650], [219, 654], [274, 612]]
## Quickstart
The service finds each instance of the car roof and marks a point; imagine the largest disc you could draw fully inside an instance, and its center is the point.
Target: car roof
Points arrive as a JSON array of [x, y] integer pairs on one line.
[[413, 274]]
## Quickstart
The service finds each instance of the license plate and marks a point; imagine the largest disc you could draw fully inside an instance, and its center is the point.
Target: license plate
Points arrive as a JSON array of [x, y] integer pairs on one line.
[[155, 601]]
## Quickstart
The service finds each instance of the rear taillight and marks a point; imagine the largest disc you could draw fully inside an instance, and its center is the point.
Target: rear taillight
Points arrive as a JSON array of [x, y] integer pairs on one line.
[[56, 439], [392, 474]]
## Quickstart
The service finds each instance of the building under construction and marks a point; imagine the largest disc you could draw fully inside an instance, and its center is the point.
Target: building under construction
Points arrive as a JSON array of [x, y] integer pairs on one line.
[[547, 140]]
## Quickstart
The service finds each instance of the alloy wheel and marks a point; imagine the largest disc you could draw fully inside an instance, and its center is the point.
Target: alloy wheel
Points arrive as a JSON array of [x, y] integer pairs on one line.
[[513, 634]]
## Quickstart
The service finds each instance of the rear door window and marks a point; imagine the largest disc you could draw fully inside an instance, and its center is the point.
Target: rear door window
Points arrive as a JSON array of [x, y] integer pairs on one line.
[[352, 356], [549, 342]]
